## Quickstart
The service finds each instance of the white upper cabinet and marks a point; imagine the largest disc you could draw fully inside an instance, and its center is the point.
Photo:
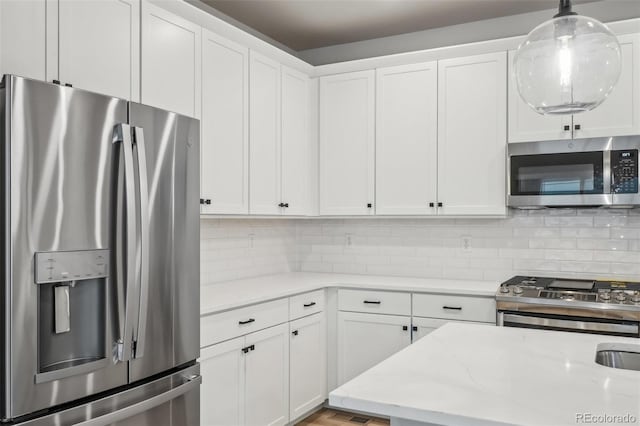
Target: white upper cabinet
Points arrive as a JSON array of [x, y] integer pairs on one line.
[[347, 127], [407, 139], [264, 131], [619, 114], [525, 124], [295, 143], [472, 133], [23, 38], [99, 46], [225, 126], [170, 61]]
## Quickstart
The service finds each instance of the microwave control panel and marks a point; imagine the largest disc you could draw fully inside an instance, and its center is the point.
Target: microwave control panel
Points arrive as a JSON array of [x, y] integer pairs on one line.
[[624, 170]]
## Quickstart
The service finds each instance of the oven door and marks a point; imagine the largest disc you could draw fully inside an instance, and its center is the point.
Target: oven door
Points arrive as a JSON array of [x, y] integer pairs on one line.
[[560, 173], [568, 323]]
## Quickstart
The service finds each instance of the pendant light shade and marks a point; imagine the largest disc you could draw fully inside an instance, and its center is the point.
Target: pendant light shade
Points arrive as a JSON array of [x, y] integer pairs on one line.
[[567, 65]]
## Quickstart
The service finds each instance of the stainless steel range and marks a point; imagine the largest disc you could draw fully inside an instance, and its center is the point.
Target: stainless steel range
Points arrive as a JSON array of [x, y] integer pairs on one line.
[[584, 306]]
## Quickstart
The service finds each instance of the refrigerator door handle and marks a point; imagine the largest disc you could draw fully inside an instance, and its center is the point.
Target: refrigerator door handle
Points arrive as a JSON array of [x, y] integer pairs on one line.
[[146, 405], [139, 145], [122, 135]]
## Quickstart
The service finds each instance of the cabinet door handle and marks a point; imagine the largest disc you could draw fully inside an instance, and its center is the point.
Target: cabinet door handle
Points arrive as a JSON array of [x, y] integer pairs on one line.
[[369, 205], [439, 204], [432, 204], [281, 205], [567, 127], [308, 305], [294, 332], [414, 328], [577, 127], [405, 328], [201, 200], [249, 321], [286, 205], [207, 201], [372, 302], [452, 308]]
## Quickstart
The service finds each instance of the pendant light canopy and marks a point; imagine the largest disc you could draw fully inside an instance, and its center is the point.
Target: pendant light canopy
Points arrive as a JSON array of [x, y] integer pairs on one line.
[[567, 65]]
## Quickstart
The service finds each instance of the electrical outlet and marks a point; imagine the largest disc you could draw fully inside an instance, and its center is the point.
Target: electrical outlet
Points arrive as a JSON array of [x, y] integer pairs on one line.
[[466, 244], [348, 240]]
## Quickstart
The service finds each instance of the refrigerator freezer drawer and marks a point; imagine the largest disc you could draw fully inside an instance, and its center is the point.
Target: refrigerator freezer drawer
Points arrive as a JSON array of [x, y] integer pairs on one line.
[[173, 400]]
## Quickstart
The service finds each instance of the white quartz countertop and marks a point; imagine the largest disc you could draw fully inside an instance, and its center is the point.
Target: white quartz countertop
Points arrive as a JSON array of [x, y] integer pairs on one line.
[[233, 294], [473, 374]]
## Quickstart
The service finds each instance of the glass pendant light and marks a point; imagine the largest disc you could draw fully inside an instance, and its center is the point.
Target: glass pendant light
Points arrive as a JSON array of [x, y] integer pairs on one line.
[[567, 65]]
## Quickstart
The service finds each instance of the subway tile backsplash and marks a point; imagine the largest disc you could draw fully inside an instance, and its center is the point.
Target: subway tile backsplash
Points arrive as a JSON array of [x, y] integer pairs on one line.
[[587, 243], [560, 242]]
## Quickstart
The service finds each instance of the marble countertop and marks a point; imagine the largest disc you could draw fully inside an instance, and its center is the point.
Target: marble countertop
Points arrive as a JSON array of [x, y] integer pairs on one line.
[[234, 294], [473, 374]]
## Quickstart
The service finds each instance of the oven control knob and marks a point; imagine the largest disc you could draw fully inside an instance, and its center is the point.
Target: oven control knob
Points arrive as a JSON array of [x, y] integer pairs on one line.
[[621, 296], [635, 297], [504, 289], [517, 290], [605, 295]]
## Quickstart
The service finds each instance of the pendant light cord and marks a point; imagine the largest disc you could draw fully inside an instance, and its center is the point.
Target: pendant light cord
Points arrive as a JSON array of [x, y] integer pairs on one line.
[[564, 9]]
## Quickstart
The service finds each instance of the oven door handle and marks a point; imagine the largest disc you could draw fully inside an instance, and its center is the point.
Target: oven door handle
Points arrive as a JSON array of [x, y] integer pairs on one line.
[[603, 327]]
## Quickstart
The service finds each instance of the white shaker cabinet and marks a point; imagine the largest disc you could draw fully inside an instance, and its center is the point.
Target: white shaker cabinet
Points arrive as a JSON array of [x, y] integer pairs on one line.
[[23, 38], [222, 390], [225, 126], [267, 377], [264, 131], [472, 134], [366, 339], [347, 131], [99, 46], [170, 63], [295, 143], [619, 114], [308, 373], [407, 139]]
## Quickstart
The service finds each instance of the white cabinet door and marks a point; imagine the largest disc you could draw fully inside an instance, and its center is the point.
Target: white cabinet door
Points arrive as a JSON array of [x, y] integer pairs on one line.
[[99, 46], [225, 125], [347, 104], [366, 339], [295, 142], [525, 124], [308, 371], [170, 61], [407, 139], [264, 134], [267, 377], [472, 133], [423, 326], [222, 390], [23, 38], [619, 114]]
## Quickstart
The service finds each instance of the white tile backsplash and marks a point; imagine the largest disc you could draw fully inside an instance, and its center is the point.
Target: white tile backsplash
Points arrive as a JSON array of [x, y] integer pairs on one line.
[[587, 243]]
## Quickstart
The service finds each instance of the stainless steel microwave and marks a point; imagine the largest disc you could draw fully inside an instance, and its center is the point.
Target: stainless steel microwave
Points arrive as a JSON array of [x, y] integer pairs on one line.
[[598, 172]]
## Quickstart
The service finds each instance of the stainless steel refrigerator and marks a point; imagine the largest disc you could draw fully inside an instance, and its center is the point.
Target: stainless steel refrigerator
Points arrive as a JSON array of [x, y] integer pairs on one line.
[[99, 259]]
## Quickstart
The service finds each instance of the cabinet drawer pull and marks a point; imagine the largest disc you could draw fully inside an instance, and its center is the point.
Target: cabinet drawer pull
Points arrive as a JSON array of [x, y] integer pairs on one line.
[[405, 328], [294, 332], [452, 308], [248, 348], [414, 328], [372, 302], [310, 304], [249, 321], [567, 127]]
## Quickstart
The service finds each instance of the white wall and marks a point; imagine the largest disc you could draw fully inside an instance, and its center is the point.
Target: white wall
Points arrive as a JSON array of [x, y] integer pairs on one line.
[[243, 248], [565, 243], [490, 29]]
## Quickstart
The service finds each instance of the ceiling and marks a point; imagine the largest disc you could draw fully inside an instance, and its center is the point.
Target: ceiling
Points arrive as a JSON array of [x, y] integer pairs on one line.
[[308, 24]]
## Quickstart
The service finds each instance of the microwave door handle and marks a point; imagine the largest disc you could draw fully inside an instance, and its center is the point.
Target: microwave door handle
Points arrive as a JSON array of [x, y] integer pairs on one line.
[[143, 243], [122, 136]]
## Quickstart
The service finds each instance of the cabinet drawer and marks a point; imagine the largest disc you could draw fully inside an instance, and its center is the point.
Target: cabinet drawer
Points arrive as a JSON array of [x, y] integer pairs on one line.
[[306, 304], [467, 308], [226, 325], [378, 302]]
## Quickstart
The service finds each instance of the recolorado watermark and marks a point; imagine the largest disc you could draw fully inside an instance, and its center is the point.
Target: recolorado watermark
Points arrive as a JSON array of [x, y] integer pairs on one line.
[[605, 419]]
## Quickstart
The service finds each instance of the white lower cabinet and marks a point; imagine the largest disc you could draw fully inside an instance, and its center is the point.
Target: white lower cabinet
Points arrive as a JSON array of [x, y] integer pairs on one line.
[[307, 364], [222, 390], [366, 339]]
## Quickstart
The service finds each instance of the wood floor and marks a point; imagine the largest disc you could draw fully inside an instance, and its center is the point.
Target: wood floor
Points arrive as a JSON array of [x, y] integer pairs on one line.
[[329, 417]]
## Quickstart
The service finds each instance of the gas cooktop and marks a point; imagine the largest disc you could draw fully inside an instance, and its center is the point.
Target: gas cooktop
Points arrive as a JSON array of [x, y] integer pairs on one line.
[[621, 293]]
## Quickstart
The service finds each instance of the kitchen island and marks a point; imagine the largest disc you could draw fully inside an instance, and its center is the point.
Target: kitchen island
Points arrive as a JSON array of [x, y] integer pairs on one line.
[[470, 374]]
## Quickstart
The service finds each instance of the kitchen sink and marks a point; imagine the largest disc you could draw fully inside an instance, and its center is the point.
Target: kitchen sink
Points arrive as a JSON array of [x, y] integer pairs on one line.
[[626, 357]]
